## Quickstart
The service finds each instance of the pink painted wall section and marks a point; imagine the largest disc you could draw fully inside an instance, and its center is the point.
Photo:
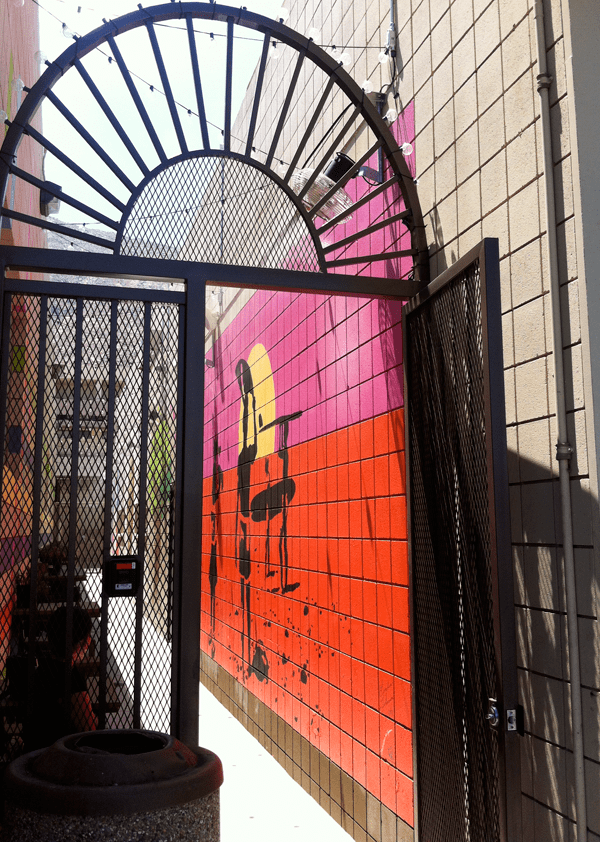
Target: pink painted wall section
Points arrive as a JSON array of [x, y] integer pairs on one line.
[[334, 359]]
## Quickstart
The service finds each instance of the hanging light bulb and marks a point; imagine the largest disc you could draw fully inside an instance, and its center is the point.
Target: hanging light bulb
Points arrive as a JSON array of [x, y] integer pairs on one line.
[[313, 34], [334, 53], [273, 51], [18, 84], [407, 149], [384, 57], [391, 116], [367, 86], [281, 168], [345, 59], [41, 57], [3, 116], [68, 33], [282, 15]]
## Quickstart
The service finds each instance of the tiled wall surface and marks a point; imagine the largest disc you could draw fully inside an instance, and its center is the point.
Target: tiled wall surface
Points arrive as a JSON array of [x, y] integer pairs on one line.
[[468, 69], [305, 578], [18, 45], [361, 814], [471, 69]]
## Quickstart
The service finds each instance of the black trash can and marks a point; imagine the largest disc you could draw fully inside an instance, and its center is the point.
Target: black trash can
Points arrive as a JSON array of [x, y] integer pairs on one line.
[[114, 786]]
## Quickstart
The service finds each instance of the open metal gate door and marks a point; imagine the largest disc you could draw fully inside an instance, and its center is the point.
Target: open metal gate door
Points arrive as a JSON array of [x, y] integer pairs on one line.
[[466, 715], [90, 407]]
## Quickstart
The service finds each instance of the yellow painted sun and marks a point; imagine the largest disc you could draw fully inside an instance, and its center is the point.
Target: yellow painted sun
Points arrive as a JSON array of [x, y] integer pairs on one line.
[[264, 397]]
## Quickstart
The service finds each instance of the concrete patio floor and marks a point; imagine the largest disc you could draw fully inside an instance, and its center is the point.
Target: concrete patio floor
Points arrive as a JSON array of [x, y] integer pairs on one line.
[[260, 802]]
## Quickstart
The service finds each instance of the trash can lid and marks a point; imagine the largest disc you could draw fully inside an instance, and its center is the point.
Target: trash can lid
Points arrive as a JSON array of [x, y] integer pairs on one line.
[[107, 772]]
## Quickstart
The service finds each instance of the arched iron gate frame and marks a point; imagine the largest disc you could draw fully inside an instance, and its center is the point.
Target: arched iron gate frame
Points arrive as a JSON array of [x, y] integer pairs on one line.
[[305, 48], [186, 623]]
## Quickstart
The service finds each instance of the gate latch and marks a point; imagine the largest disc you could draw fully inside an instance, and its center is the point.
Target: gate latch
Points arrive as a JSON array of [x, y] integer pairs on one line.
[[493, 714], [514, 720]]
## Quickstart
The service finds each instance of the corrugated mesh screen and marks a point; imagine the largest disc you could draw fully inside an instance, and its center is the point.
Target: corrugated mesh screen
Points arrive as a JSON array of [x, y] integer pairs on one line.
[[88, 482], [219, 210], [458, 752]]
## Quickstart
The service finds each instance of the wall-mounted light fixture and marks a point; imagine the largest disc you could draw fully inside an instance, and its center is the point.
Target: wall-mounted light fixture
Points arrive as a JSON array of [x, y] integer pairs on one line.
[[49, 203], [336, 204]]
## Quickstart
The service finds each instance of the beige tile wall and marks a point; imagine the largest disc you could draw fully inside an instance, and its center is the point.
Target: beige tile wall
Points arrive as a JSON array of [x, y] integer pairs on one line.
[[480, 165]]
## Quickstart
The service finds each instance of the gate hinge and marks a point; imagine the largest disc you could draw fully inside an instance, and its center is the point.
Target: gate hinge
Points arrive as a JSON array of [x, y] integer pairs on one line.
[[514, 720]]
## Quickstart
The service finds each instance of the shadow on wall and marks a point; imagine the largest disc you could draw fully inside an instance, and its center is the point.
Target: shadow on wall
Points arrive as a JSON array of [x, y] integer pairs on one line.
[[390, 326], [542, 645], [437, 248]]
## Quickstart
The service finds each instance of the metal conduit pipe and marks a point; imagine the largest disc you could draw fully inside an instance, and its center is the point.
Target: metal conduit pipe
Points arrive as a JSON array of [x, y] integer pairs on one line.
[[563, 448]]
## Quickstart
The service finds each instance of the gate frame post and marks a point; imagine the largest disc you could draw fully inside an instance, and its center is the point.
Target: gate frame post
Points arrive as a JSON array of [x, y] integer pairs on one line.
[[186, 619], [501, 564]]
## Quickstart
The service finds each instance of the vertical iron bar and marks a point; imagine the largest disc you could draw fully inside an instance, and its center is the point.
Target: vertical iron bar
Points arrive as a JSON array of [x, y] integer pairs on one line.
[[170, 563], [188, 648], [74, 489], [166, 85], [501, 551], [286, 107], [137, 671], [176, 586], [148, 125], [257, 93], [79, 171], [408, 468], [341, 183], [60, 194], [110, 116], [381, 188], [110, 434], [319, 167], [228, 85], [5, 311], [73, 121], [60, 229], [35, 513], [309, 129], [197, 83]]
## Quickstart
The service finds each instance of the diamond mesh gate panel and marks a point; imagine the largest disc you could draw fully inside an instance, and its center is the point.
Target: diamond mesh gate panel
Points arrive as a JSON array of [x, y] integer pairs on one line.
[[88, 477], [219, 210], [455, 662]]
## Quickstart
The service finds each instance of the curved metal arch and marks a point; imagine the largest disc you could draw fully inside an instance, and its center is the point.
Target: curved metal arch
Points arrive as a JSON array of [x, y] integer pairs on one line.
[[217, 153], [271, 30]]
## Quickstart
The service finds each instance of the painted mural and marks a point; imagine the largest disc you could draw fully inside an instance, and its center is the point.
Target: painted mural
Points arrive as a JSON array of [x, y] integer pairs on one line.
[[305, 571]]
